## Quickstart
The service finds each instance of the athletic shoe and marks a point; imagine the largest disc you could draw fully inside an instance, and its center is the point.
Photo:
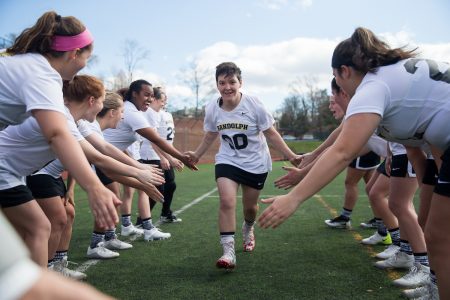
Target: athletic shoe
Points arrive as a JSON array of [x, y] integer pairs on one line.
[[377, 238], [418, 275], [388, 252], [399, 260], [155, 234], [131, 230], [339, 222], [249, 237], [61, 267], [228, 259], [372, 223], [101, 252], [116, 244], [426, 292], [170, 219]]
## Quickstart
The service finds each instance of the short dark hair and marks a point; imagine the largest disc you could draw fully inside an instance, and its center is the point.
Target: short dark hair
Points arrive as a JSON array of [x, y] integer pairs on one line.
[[228, 69]]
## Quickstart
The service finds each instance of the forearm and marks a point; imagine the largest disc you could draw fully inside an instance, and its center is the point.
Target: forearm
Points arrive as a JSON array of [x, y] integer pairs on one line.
[[329, 141], [277, 142], [207, 141]]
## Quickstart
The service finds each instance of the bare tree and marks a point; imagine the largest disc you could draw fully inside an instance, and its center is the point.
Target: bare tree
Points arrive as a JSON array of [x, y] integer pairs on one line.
[[133, 54], [200, 81]]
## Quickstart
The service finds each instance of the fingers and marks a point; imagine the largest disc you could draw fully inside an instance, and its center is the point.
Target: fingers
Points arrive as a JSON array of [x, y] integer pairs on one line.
[[268, 200]]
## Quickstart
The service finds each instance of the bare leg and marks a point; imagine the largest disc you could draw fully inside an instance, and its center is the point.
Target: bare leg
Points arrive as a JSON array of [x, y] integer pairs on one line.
[[227, 211]]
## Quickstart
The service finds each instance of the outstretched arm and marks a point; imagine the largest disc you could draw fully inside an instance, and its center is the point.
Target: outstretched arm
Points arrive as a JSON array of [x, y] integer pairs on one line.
[[207, 141], [277, 141]]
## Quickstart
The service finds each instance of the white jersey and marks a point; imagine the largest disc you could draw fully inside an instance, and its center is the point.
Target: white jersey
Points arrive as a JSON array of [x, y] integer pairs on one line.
[[125, 133], [155, 120], [397, 149], [377, 145], [24, 150], [27, 82], [413, 99], [242, 142]]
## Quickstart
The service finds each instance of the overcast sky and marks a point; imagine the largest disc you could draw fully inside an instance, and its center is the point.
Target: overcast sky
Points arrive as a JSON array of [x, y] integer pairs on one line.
[[273, 41]]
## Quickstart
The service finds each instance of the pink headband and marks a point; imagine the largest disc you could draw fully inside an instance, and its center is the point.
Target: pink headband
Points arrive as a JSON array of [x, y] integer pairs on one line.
[[67, 43]]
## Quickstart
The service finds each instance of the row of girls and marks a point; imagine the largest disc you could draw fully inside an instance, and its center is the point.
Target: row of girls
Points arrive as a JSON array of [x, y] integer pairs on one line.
[[39, 124]]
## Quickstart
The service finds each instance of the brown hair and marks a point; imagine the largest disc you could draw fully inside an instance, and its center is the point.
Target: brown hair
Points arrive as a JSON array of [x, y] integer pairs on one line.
[[38, 39], [158, 92], [365, 52], [82, 86], [112, 101], [228, 69]]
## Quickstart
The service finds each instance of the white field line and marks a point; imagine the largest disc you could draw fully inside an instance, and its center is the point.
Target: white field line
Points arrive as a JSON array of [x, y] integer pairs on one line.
[[92, 262]]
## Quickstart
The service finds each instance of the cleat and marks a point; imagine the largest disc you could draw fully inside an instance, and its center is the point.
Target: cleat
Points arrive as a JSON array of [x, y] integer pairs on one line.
[[369, 224], [170, 219], [377, 238], [249, 237], [426, 292], [61, 267], [388, 252], [399, 260], [418, 275], [155, 234], [101, 252], [131, 230], [116, 244], [228, 259], [340, 222]]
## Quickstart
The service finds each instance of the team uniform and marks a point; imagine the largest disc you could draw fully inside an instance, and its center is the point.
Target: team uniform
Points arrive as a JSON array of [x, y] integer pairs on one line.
[[368, 161], [412, 98], [243, 155], [400, 166], [27, 82]]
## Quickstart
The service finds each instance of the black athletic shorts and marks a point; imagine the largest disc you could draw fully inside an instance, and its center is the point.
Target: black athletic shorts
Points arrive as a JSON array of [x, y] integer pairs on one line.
[[46, 186], [367, 161], [240, 176], [431, 173], [158, 164], [15, 196], [103, 178], [382, 168], [401, 167], [443, 183]]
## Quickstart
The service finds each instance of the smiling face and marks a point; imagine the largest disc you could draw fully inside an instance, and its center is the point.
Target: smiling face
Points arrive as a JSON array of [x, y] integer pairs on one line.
[[228, 86], [335, 108], [143, 98]]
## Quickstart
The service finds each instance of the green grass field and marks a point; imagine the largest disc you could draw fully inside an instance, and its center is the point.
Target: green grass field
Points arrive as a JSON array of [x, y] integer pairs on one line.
[[302, 259]]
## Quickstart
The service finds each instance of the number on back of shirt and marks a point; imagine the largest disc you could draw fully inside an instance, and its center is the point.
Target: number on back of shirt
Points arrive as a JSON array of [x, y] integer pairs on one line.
[[169, 134]]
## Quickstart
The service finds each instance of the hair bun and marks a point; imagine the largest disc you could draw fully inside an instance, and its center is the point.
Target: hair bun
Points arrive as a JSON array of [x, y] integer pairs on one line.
[[58, 18]]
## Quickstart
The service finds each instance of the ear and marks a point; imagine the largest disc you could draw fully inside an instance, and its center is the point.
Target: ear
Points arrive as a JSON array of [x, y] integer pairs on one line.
[[346, 71], [91, 100]]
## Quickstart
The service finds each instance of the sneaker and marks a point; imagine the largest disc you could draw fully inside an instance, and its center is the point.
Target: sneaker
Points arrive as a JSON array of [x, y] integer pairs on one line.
[[131, 230], [249, 238], [399, 260], [388, 252], [339, 222], [418, 275], [228, 259], [377, 238], [428, 291], [116, 244], [101, 252], [61, 267], [170, 219], [155, 234], [369, 224]]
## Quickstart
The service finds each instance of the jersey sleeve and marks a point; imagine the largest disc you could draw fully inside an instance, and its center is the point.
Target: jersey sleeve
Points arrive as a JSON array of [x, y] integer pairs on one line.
[[43, 93], [137, 120], [265, 119], [370, 97], [209, 123]]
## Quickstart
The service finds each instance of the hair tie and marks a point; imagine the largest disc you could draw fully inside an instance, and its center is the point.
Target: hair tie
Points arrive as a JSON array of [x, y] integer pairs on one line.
[[58, 18]]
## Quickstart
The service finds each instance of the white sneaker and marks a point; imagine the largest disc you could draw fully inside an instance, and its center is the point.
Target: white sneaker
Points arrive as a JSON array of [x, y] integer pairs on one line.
[[399, 260], [377, 238], [155, 234], [428, 291], [116, 244], [418, 275], [170, 219], [101, 252], [340, 222], [249, 237], [228, 259], [61, 267], [131, 230], [388, 252]]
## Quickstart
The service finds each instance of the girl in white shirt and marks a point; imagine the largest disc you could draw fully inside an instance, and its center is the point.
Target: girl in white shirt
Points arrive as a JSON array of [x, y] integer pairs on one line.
[[243, 158]]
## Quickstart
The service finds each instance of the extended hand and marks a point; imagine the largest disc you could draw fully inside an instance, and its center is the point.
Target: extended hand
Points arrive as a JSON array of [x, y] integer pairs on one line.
[[281, 208], [292, 178]]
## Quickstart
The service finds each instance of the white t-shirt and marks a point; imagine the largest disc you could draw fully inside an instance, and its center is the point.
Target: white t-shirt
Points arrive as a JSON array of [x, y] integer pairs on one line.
[[377, 145], [413, 99], [242, 142], [397, 149], [125, 133], [155, 120], [24, 150], [27, 82], [167, 128]]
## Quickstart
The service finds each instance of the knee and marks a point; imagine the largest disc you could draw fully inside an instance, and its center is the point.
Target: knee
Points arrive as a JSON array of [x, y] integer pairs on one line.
[[70, 213], [226, 204], [349, 184], [58, 221], [42, 229], [170, 186]]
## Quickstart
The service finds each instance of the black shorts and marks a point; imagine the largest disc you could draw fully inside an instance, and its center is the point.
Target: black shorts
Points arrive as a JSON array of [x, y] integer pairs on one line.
[[431, 173], [46, 186], [401, 167], [443, 183], [382, 168], [367, 161], [103, 178], [240, 176], [158, 164], [15, 196]]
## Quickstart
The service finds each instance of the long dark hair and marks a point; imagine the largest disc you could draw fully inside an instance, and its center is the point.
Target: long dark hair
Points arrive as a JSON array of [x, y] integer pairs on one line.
[[135, 86]]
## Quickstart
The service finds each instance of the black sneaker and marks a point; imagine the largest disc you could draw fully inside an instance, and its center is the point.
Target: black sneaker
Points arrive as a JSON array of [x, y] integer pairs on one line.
[[371, 224], [339, 222], [170, 219]]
